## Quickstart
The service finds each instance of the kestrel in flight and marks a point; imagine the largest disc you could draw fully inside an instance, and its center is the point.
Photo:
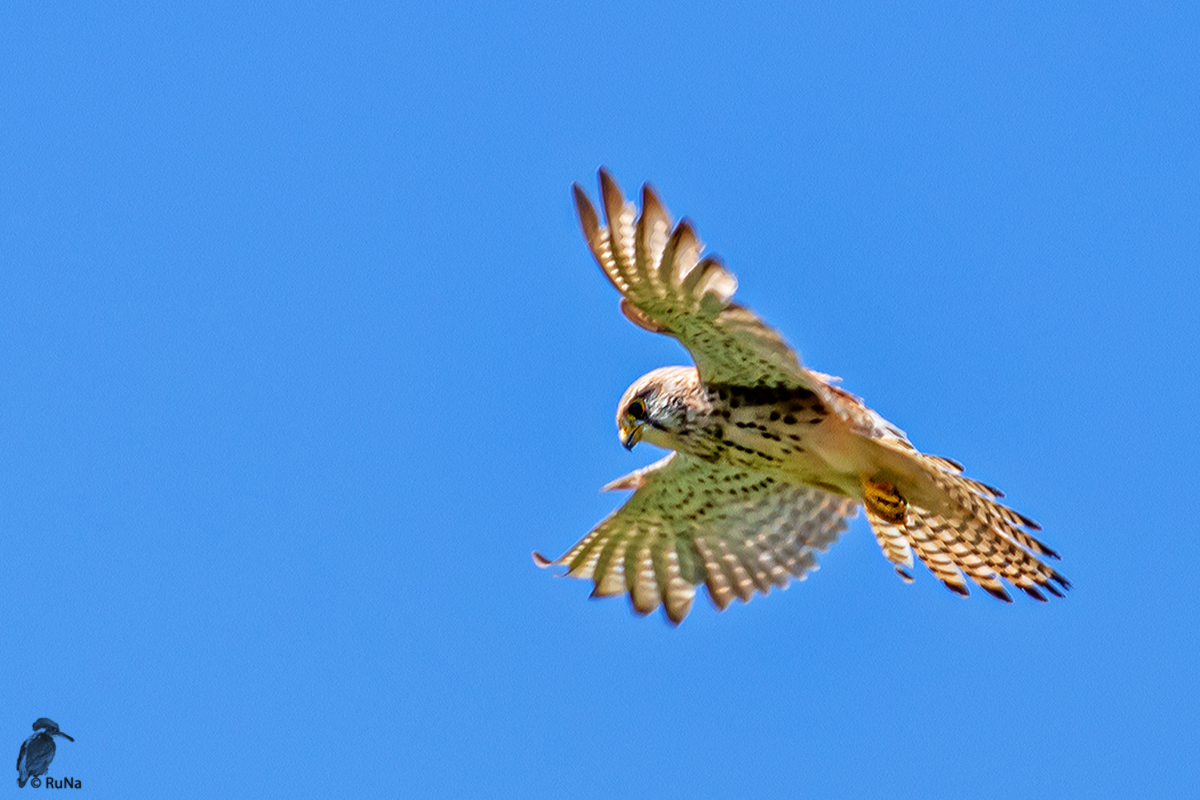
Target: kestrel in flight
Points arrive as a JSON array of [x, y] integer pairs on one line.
[[770, 459]]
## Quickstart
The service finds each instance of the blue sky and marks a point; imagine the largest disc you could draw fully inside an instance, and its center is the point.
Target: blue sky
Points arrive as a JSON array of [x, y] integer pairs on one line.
[[302, 353]]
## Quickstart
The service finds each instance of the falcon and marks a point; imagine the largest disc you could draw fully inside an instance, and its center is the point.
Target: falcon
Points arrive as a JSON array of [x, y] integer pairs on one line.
[[769, 458]]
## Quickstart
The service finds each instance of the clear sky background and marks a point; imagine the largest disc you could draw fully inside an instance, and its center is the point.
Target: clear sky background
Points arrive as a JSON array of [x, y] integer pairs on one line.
[[302, 353]]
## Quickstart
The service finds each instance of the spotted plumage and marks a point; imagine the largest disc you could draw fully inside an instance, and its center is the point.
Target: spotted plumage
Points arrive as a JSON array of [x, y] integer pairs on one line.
[[770, 458]]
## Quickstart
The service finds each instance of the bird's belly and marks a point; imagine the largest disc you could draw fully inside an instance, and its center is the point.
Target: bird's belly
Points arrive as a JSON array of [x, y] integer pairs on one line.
[[784, 446]]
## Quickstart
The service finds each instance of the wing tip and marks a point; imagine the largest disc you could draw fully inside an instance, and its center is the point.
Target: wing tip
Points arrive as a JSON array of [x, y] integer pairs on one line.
[[588, 219], [686, 228], [633, 481], [541, 561], [650, 198], [581, 196], [611, 194]]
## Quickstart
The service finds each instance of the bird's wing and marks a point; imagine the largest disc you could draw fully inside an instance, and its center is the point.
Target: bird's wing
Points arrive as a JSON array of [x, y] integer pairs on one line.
[[691, 522], [667, 287]]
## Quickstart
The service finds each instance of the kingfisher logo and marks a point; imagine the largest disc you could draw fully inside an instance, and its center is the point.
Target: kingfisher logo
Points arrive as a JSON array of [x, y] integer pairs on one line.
[[36, 754]]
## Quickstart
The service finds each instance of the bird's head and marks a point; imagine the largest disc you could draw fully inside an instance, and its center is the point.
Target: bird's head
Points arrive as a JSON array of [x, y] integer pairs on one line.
[[50, 727], [659, 408]]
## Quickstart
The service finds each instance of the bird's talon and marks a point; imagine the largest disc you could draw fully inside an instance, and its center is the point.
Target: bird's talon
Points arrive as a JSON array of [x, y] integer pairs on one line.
[[884, 501]]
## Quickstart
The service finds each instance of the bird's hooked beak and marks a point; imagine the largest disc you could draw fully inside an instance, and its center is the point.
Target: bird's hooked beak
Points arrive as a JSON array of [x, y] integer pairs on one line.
[[630, 434]]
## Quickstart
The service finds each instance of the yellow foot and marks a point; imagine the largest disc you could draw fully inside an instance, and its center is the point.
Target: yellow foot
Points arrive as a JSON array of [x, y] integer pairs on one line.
[[884, 501]]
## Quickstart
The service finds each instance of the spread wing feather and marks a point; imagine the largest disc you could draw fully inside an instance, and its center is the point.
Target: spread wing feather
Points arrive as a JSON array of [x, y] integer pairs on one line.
[[691, 522], [667, 287]]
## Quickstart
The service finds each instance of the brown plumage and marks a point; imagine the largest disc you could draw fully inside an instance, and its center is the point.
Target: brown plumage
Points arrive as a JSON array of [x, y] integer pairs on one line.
[[770, 458]]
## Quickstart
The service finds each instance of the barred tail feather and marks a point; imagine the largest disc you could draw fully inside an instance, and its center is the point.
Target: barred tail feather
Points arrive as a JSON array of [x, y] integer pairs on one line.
[[956, 525], [893, 543], [981, 541]]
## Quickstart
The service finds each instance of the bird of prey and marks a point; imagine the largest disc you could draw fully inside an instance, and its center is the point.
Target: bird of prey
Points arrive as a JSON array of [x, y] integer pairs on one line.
[[770, 459]]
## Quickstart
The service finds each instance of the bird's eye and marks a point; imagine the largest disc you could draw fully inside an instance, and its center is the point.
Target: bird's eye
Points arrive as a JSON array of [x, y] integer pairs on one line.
[[637, 409]]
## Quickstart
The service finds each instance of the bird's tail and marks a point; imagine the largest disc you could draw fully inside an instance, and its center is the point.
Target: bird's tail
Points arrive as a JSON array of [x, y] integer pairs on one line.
[[958, 527]]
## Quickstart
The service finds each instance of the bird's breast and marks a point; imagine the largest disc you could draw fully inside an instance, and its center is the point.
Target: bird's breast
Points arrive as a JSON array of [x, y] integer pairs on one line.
[[767, 429]]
